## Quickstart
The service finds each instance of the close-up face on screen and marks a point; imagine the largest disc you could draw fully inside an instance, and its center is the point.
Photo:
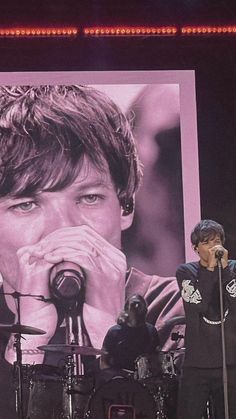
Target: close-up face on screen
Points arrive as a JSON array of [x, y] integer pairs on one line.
[[158, 115], [158, 226], [96, 205]]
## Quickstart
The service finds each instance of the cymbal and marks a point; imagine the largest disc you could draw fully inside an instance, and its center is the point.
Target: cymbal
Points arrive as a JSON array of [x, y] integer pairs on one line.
[[70, 349], [20, 328], [177, 320]]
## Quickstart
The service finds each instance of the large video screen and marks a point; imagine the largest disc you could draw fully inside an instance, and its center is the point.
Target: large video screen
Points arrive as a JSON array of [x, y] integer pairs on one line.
[[99, 181]]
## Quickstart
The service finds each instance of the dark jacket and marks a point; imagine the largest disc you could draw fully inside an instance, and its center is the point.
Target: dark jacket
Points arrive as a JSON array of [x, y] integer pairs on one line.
[[201, 297]]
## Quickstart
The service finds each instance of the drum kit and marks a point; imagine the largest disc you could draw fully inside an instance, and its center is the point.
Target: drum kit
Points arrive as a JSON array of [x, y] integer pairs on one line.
[[150, 392]]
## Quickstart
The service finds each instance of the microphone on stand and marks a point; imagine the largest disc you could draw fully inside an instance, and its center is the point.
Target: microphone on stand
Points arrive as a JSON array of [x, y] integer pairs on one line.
[[219, 254], [67, 282], [67, 285]]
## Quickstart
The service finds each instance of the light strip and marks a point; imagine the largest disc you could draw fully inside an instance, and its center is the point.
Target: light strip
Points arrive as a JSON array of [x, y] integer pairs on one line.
[[117, 31], [130, 31], [208, 30], [38, 32]]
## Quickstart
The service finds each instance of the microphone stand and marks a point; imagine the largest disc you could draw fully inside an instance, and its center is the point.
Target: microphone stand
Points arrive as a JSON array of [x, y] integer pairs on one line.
[[74, 365], [224, 366]]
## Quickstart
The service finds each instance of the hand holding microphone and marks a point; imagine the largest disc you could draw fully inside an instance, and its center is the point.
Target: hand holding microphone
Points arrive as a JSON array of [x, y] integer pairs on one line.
[[219, 253]]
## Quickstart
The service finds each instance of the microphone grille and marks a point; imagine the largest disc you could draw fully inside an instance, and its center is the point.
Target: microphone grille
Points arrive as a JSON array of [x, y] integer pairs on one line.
[[67, 284]]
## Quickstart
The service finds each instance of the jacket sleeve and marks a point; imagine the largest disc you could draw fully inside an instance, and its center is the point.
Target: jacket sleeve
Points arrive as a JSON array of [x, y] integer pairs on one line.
[[197, 286], [229, 282]]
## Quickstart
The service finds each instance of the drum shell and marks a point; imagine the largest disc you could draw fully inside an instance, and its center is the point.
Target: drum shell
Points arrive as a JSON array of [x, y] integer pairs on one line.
[[167, 363], [45, 392], [157, 372], [121, 394], [154, 366], [49, 393]]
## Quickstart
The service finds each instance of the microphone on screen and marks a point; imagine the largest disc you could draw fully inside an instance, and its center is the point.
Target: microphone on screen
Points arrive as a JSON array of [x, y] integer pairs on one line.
[[67, 281]]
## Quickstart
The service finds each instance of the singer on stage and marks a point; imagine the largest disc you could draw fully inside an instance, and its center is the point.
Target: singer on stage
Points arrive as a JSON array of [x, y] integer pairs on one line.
[[199, 284], [68, 175]]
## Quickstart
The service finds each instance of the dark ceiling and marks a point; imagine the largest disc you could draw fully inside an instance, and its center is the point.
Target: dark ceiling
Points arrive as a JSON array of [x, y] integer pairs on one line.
[[117, 11]]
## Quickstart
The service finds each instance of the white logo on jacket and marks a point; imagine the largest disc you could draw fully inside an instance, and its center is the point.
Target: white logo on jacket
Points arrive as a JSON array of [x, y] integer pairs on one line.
[[231, 288], [189, 294]]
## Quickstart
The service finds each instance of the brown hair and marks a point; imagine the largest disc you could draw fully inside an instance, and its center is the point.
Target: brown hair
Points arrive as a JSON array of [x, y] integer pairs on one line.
[[46, 131]]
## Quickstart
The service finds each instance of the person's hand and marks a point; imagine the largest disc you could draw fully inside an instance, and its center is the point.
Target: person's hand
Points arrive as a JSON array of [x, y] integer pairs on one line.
[[212, 260], [32, 278], [105, 268]]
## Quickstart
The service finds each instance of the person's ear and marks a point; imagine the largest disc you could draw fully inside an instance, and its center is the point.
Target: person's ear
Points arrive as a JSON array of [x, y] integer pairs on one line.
[[127, 213], [195, 248]]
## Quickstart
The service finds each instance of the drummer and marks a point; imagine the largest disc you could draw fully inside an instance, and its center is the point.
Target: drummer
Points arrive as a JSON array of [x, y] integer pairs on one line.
[[130, 338]]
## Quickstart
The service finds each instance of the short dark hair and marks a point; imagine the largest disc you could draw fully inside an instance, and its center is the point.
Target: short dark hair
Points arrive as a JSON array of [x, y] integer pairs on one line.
[[45, 132], [206, 230]]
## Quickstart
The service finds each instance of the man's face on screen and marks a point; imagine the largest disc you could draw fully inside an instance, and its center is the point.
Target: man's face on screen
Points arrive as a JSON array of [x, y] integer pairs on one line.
[[90, 200]]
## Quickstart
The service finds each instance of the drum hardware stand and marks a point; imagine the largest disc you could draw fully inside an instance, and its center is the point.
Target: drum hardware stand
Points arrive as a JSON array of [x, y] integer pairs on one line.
[[74, 365], [17, 344], [18, 362], [69, 408], [222, 318], [209, 410], [18, 368], [74, 336], [160, 402]]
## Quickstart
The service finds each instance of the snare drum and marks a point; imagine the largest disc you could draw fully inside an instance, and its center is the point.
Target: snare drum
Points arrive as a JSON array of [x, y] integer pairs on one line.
[[121, 398]]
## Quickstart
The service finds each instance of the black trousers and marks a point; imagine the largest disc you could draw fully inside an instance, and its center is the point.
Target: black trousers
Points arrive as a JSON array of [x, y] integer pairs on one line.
[[198, 386]]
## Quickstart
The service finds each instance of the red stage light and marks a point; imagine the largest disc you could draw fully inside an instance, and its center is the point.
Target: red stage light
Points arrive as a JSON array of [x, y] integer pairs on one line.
[[130, 31], [39, 32], [208, 30], [118, 31]]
